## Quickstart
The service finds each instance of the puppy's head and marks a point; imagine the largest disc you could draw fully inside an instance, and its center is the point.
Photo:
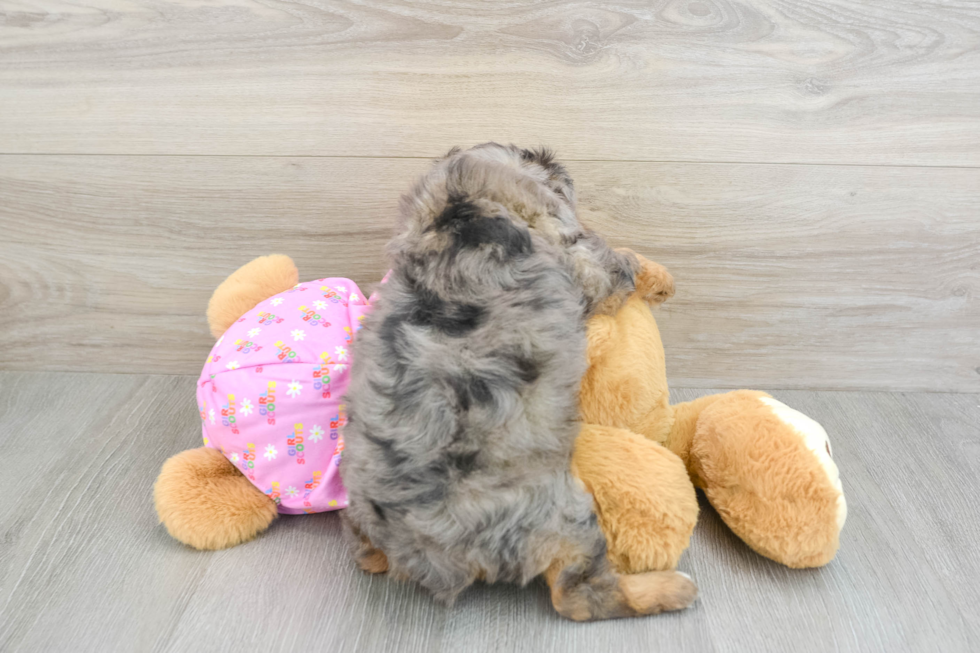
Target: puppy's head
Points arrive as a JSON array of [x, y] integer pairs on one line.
[[538, 165], [482, 186]]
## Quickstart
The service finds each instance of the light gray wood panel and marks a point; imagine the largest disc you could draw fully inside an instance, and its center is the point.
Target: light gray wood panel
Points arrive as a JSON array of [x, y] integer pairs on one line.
[[85, 567], [832, 81], [806, 276], [81, 566], [788, 276], [110, 261]]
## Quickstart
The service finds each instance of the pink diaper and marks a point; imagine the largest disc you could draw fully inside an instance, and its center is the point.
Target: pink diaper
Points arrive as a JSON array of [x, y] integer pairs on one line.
[[271, 393]]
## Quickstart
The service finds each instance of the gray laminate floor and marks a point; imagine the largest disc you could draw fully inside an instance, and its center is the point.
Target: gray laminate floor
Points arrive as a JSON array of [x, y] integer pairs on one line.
[[85, 567]]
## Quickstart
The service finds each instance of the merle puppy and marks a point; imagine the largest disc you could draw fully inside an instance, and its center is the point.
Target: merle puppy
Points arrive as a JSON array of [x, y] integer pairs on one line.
[[464, 388]]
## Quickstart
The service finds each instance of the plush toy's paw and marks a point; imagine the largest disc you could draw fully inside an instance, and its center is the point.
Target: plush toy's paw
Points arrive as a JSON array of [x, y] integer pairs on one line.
[[208, 504], [644, 499], [767, 470], [654, 283], [255, 281]]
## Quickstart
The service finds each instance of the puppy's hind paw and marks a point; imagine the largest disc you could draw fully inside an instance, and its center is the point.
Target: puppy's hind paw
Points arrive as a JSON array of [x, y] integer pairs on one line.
[[373, 561], [658, 591]]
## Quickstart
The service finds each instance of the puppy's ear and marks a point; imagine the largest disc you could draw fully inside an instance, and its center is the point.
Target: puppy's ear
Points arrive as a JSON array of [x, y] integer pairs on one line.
[[601, 334], [654, 283]]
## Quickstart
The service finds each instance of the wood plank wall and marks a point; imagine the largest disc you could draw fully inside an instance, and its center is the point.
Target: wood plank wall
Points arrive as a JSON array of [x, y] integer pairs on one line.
[[809, 170]]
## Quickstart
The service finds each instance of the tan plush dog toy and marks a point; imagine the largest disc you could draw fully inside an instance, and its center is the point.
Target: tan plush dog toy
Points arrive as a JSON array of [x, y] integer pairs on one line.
[[764, 467]]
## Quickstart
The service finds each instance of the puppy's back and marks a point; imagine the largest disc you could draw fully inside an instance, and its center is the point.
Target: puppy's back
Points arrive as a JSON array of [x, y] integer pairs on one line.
[[463, 398]]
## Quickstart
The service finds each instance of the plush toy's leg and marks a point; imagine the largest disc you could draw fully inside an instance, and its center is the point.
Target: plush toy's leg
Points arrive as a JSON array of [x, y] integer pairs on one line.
[[644, 499], [683, 427], [208, 504], [767, 470]]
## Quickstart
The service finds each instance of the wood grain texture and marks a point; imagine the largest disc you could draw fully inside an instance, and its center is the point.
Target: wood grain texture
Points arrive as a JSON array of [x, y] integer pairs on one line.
[[788, 276], [85, 567], [119, 255], [820, 81]]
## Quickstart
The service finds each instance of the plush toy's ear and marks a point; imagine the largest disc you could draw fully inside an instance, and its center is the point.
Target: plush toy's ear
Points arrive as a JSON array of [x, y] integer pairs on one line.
[[601, 333], [258, 279], [654, 283]]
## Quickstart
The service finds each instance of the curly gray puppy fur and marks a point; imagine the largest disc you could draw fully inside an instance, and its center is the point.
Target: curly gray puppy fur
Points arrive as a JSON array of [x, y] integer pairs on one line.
[[464, 389]]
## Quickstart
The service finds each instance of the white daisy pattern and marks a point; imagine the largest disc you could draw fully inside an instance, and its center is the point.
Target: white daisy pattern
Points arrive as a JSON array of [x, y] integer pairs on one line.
[[316, 433], [342, 288], [234, 457], [246, 408], [277, 301], [233, 365], [354, 297], [297, 334], [291, 491], [254, 332], [270, 452], [339, 367], [341, 353], [211, 415], [319, 304], [295, 388]]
